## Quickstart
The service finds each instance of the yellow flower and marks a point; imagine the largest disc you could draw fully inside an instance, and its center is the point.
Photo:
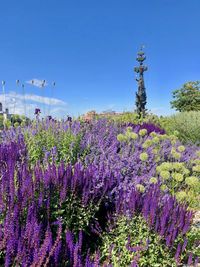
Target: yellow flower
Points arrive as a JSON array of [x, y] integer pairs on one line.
[[147, 143], [196, 168], [140, 188], [178, 177], [181, 195], [143, 132], [129, 129], [181, 148], [121, 137], [153, 134], [153, 180], [155, 151], [155, 140], [198, 153], [133, 136], [163, 187], [192, 181], [166, 166], [165, 175], [144, 156]]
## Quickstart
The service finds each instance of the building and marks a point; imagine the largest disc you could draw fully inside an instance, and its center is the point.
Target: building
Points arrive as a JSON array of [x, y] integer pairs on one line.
[[5, 114]]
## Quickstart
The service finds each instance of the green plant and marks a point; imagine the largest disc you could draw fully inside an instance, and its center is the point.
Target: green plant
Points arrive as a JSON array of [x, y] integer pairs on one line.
[[53, 146], [184, 125], [187, 98], [132, 239]]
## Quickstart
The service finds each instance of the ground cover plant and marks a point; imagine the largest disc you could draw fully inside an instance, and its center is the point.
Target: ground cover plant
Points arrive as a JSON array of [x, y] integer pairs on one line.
[[98, 193]]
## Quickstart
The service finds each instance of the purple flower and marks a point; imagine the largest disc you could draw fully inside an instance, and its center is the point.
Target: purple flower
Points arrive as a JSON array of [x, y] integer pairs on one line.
[[37, 111]]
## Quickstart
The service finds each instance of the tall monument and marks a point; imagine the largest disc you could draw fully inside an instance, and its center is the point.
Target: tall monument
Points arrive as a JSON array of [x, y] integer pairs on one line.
[[141, 97]]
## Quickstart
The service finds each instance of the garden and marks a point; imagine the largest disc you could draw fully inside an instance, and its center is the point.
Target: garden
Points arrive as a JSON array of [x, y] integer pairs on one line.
[[116, 191]]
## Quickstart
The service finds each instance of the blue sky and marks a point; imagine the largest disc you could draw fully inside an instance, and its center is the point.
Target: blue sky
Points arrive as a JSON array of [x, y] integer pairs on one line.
[[89, 48]]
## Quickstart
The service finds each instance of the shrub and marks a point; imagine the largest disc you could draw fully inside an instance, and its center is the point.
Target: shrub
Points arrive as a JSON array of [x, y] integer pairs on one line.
[[185, 125]]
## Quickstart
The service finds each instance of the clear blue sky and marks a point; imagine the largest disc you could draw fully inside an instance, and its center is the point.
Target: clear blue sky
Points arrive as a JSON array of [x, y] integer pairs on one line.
[[89, 47]]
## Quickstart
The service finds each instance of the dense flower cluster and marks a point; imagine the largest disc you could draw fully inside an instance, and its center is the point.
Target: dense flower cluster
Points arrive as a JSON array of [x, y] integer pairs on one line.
[[56, 200]]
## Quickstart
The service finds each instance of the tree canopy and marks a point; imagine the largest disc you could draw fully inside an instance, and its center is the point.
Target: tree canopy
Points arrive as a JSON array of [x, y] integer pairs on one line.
[[187, 98]]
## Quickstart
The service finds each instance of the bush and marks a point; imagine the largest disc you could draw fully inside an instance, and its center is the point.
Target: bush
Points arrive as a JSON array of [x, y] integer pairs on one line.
[[186, 125]]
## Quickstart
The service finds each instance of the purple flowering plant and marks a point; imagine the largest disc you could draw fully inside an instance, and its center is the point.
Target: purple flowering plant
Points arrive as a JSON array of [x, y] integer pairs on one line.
[[64, 188]]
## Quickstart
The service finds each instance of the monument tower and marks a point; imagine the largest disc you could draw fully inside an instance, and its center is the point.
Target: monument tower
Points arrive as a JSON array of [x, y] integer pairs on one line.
[[141, 97]]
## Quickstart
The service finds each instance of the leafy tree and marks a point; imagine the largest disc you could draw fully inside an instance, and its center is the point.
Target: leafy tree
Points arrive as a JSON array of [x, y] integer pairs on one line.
[[187, 98]]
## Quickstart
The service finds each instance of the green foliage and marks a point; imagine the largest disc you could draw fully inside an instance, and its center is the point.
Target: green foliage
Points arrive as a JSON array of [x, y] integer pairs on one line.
[[184, 125], [153, 251], [74, 214], [133, 117], [53, 146], [128, 234], [187, 98]]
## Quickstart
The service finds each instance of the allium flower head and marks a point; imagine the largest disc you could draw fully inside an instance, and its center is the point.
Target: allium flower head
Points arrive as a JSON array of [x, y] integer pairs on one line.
[[143, 132], [129, 129], [181, 148], [165, 175], [153, 134], [198, 153], [165, 166], [156, 140], [163, 187], [196, 168], [133, 136], [181, 195], [147, 143], [140, 188], [121, 138], [192, 181], [178, 177], [153, 180], [144, 156], [155, 151]]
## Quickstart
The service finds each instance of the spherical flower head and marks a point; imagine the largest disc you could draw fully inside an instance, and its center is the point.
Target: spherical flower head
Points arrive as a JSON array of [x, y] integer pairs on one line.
[[164, 137], [129, 129], [196, 161], [143, 132], [163, 187], [140, 188], [185, 171], [155, 151], [196, 168], [155, 140], [158, 169], [181, 148], [121, 138], [175, 154], [181, 195], [153, 180], [157, 158], [173, 150], [147, 143], [176, 133], [198, 153], [192, 181], [166, 166], [144, 156], [133, 136], [178, 166], [153, 134], [165, 175], [178, 177]]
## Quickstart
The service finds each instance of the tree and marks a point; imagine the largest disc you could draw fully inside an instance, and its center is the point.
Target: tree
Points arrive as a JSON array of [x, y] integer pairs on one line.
[[187, 98]]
